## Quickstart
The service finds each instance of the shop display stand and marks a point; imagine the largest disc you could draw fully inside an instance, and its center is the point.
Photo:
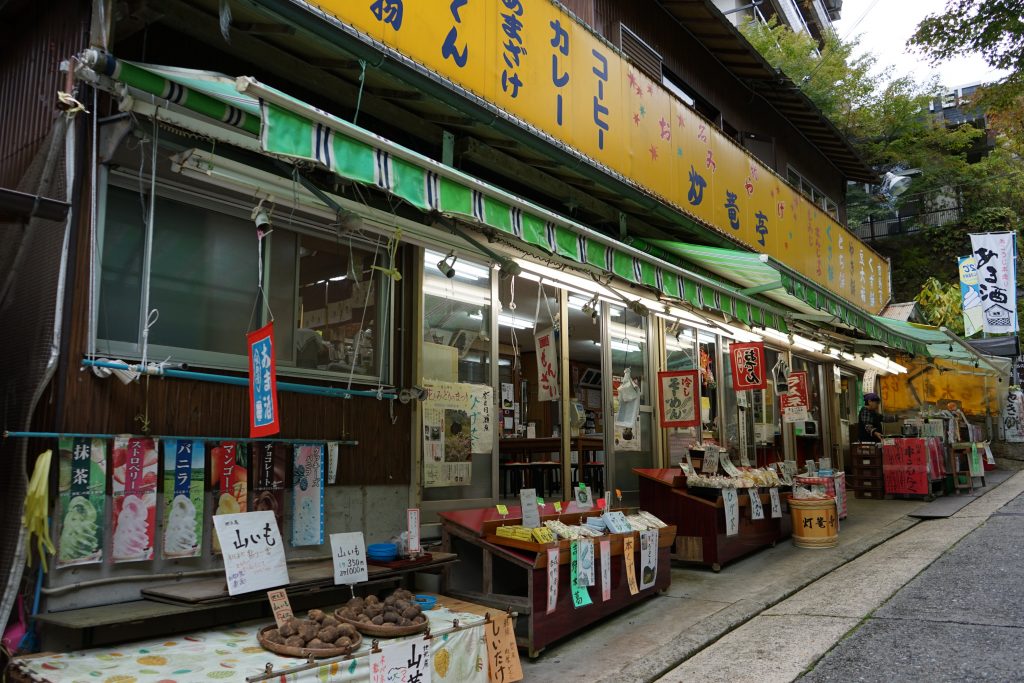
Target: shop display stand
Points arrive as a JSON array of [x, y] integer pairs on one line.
[[506, 573], [960, 466], [699, 517]]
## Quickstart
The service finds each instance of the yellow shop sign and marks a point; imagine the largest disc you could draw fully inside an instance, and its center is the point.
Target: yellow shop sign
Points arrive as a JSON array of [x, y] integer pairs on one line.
[[538, 64]]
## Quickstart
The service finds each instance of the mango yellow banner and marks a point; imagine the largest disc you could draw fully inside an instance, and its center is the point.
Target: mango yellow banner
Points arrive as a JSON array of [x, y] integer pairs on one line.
[[540, 66]]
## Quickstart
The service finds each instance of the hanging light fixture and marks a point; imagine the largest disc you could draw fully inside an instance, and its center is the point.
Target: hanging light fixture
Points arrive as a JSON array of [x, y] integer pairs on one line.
[[447, 265]]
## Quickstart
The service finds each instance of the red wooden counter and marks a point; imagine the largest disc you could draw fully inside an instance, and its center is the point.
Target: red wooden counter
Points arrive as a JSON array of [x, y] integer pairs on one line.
[[503, 572], [699, 517]]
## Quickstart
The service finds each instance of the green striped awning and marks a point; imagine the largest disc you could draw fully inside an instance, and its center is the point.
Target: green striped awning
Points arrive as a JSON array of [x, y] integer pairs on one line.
[[760, 274], [291, 129]]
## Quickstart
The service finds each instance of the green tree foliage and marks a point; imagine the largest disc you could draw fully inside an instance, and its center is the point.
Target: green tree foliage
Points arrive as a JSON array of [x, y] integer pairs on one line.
[[940, 303], [992, 28]]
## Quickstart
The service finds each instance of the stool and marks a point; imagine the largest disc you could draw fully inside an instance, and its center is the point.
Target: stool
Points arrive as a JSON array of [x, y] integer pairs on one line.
[[548, 476], [515, 473], [593, 474]]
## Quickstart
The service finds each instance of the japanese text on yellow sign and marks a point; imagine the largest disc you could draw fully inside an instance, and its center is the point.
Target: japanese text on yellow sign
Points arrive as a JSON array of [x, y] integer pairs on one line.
[[537, 63]]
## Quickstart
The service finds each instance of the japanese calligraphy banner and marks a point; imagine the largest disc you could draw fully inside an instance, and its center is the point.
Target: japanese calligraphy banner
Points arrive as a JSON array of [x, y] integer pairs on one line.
[[970, 295], [133, 490], [679, 398], [1013, 416], [503, 665], [580, 596], [795, 402], [627, 557], [995, 255], [540, 66], [748, 369], [404, 661], [270, 461], [552, 580], [184, 479], [905, 466], [229, 479], [82, 488], [606, 569], [253, 551], [547, 365], [648, 558], [308, 495], [264, 419]]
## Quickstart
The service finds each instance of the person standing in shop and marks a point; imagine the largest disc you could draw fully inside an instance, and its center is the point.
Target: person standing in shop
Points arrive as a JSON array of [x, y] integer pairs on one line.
[[871, 418]]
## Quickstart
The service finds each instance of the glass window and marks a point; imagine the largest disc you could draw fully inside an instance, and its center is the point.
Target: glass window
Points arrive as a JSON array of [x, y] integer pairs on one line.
[[329, 306], [457, 347], [681, 354], [627, 332], [707, 345]]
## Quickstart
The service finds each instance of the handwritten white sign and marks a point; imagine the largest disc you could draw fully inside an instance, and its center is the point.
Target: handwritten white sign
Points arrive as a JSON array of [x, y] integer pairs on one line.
[[552, 579], [412, 520], [349, 554], [648, 558], [253, 551], [756, 510], [732, 511], [776, 505], [727, 465], [531, 515], [407, 660], [710, 465], [585, 558], [606, 570]]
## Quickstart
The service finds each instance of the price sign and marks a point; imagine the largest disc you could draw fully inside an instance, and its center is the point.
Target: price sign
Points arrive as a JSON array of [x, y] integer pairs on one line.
[[531, 515], [412, 519], [280, 606], [407, 660], [606, 570], [710, 460], [552, 579], [502, 510], [627, 556], [732, 511], [558, 506], [349, 554], [756, 510], [776, 505], [253, 551], [585, 570], [580, 596], [503, 665]]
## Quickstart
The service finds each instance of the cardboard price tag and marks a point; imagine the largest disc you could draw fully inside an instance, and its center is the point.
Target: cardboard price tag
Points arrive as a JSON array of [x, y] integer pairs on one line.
[[280, 606], [627, 556], [503, 665]]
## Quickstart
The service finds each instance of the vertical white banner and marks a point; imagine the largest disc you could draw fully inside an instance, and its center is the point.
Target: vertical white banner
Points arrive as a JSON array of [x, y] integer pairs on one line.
[[648, 558], [552, 579], [732, 511], [756, 510], [606, 570], [995, 259], [970, 295], [776, 504], [547, 365]]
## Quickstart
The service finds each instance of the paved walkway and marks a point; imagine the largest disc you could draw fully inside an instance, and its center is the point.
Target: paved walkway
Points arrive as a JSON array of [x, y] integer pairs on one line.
[[959, 596], [651, 638]]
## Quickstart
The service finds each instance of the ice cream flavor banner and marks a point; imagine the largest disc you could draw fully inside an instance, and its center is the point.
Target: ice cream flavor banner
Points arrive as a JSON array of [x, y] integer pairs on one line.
[[269, 462], [184, 476], [229, 478], [82, 488], [134, 498], [308, 495]]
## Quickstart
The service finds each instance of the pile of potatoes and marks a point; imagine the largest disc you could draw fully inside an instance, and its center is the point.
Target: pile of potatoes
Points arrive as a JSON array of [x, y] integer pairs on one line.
[[318, 631], [398, 609]]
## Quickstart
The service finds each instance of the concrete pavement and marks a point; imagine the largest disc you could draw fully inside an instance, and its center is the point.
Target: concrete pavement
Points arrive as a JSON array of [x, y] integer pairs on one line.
[[977, 578]]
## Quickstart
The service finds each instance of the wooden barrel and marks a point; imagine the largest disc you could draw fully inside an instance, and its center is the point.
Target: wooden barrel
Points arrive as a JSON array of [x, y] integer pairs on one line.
[[815, 522]]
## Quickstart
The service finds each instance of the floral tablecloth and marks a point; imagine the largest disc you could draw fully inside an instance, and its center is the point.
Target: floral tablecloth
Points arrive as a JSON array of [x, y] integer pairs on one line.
[[232, 654]]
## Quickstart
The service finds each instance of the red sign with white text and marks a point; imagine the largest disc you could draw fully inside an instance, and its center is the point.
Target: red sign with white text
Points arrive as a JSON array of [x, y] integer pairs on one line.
[[679, 398], [748, 371], [795, 402], [264, 419]]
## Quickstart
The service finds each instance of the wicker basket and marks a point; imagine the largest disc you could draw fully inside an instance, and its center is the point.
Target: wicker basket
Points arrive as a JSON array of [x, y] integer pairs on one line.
[[381, 631], [291, 651]]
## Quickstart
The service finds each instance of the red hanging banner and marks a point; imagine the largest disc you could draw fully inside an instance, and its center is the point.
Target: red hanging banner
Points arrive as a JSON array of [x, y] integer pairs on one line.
[[679, 398], [264, 419], [748, 370]]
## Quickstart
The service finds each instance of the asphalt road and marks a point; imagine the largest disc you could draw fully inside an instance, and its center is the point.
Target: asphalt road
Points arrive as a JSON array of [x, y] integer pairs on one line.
[[960, 619]]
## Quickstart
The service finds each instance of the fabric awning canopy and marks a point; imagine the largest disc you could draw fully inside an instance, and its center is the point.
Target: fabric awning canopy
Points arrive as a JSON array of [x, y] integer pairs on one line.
[[763, 275], [292, 130], [946, 345]]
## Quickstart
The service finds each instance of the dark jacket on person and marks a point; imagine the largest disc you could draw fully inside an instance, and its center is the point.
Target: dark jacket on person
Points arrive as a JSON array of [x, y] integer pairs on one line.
[[870, 422]]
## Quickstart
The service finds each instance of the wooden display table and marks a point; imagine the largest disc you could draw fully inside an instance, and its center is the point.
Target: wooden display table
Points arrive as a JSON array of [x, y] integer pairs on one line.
[[699, 517], [502, 572]]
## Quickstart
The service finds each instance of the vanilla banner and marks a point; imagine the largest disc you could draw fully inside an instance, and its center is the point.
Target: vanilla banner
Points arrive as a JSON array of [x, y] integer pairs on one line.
[[184, 477], [134, 496]]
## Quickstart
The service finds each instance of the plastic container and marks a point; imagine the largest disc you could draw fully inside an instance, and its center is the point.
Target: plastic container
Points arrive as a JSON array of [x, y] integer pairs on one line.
[[426, 602]]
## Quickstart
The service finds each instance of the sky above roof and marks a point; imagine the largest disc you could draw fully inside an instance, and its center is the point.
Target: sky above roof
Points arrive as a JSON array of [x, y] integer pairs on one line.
[[886, 26]]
